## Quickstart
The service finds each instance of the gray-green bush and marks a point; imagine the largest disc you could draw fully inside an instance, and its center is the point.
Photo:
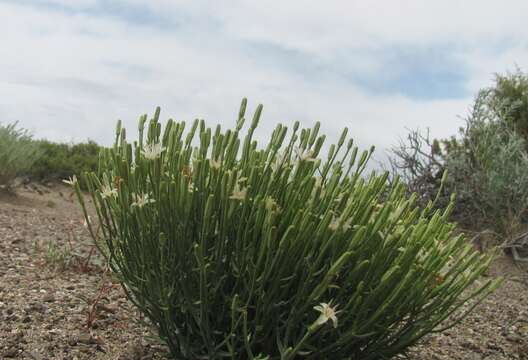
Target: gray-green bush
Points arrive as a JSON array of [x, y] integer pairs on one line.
[[489, 168], [60, 161], [17, 152], [241, 252], [487, 163]]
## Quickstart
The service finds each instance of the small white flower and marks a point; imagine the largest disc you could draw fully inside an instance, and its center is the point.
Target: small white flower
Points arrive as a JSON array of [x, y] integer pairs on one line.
[[142, 200], [337, 222], [152, 151], [86, 223], [107, 191], [334, 224], [305, 156], [215, 164], [133, 167], [71, 181], [299, 151], [190, 187], [279, 160], [347, 225], [238, 193], [271, 204], [327, 313]]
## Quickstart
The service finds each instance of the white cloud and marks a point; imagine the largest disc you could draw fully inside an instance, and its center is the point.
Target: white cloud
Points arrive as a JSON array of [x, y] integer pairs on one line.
[[69, 75], [320, 26]]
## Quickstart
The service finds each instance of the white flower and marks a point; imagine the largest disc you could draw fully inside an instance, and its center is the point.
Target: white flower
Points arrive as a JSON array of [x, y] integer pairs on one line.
[[337, 222], [152, 151], [107, 191], [305, 156], [190, 187], [347, 225], [272, 205], [215, 164], [133, 167], [71, 181], [279, 160], [327, 313], [238, 193], [334, 224], [142, 200], [85, 222]]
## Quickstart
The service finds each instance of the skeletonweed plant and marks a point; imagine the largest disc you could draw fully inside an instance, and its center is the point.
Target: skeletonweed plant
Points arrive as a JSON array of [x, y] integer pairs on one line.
[[240, 252]]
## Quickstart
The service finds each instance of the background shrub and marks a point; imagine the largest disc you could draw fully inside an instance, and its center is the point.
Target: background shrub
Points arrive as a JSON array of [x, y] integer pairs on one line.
[[61, 161], [510, 96], [17, 152], [235, 251], [487, 161], [489, 173]]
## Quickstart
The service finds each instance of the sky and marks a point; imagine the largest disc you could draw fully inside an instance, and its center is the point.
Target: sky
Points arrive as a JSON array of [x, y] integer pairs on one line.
[[71, 68]]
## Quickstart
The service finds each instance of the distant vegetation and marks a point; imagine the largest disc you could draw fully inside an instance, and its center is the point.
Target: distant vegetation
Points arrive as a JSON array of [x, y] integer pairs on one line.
[[487, 161], [18, 152], [60, 161], [42, 160]]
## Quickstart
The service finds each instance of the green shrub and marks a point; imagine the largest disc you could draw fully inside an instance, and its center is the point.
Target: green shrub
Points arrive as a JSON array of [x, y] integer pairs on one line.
[[510, 93], [487, 160], [235, 251], [17, 152], [489, 170], [61, 161]]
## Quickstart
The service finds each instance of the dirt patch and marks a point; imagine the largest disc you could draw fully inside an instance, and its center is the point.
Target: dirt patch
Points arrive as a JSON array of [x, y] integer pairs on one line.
[[56, 303], [496, 330]]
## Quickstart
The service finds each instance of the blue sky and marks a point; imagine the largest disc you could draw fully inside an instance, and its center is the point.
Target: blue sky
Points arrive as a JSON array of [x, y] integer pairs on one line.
[[72, 68]]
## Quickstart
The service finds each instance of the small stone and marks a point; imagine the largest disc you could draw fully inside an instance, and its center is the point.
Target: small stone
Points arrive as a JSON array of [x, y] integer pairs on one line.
[[88, 339], [10, 353], [48, 298], [40, 308], [34, 355], [514, 338]]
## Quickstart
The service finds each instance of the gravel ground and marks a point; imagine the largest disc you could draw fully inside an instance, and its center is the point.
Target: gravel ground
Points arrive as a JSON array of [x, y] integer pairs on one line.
[[56, 304], [50, 293], [496, 330]]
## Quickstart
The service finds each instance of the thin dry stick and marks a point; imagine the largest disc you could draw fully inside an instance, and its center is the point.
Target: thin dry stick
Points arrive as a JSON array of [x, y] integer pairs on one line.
[[104, 289]]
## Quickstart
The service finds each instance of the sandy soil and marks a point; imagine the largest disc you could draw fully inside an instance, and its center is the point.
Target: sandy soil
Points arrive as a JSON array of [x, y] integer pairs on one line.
[[57, 303]]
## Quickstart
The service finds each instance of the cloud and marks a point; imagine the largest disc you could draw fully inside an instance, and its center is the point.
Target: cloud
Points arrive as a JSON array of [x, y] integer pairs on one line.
[[71, 69], [115, 10]]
